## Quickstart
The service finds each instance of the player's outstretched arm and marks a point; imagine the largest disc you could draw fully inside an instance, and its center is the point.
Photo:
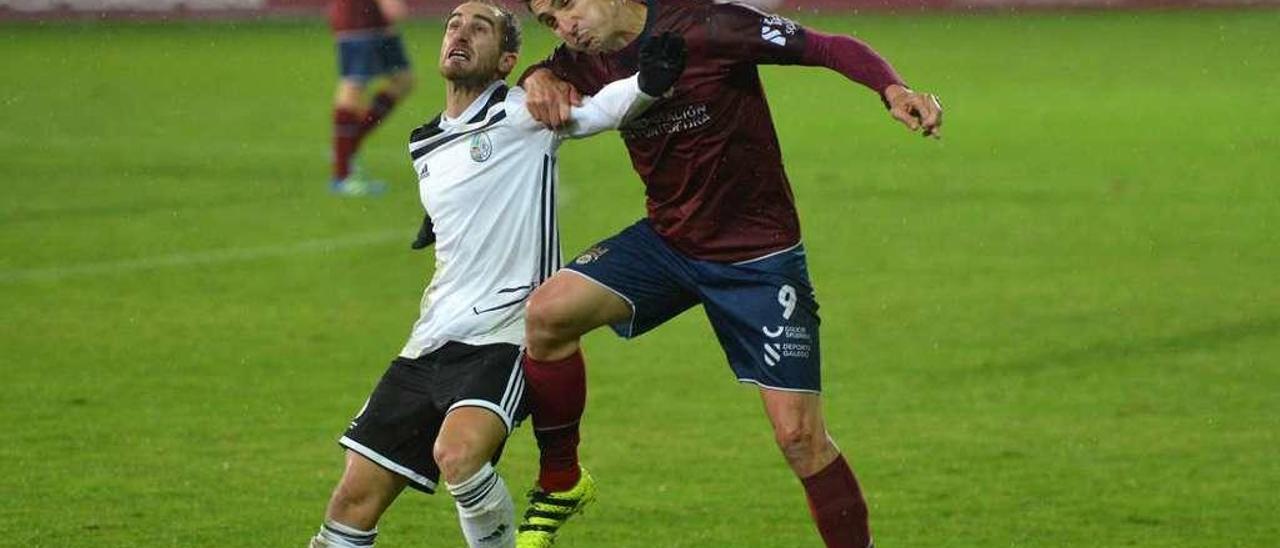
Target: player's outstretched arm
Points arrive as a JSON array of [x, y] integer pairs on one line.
[[662, 61], [918, 111], [858, 62], [742, 34]]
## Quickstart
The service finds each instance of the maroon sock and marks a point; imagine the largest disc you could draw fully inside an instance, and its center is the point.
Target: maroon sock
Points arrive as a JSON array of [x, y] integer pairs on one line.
[[346, 138], [836, 502], [558, 394], [382, 105]]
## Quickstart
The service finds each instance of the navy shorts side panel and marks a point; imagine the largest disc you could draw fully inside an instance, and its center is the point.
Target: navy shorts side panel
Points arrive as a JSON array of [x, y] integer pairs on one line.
[[638, 266], [365, 57]]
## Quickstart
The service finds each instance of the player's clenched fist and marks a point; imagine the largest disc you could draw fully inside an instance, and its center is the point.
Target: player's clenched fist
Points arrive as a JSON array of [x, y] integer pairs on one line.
[[916, 110], [662, 61], [550, 99]]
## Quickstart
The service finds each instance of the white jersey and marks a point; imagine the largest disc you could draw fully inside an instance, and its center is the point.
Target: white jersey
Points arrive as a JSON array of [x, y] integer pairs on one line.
[[488, 180]]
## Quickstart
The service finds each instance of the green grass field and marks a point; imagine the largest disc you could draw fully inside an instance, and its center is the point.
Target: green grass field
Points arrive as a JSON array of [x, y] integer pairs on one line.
[[1060, 326]]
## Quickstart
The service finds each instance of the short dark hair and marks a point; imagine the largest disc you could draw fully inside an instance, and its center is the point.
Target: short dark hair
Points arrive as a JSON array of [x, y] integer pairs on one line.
[[510, 25]]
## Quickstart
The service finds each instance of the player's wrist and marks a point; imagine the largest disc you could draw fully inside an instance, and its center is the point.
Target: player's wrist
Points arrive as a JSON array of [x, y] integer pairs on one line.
[[893, 93]]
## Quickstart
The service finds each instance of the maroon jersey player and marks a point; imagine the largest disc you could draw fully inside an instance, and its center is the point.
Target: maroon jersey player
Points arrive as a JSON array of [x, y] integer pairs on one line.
[[369, 47], [721, 231]]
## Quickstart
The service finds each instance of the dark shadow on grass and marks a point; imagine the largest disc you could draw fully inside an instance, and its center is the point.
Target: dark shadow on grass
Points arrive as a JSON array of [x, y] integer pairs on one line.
[[1199, 339]]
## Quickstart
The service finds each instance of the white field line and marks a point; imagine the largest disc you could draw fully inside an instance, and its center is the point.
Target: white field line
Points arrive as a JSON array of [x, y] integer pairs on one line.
[[232, 255]]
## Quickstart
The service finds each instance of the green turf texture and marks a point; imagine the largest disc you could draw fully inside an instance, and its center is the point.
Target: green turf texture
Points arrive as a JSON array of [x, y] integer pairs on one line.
[[1059, 326]]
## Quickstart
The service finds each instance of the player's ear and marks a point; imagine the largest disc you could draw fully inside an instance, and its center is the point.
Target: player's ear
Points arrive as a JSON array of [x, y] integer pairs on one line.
[[507, 62]]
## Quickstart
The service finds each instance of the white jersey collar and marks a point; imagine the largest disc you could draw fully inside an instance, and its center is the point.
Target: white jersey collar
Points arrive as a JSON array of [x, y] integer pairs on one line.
[[474, 108]]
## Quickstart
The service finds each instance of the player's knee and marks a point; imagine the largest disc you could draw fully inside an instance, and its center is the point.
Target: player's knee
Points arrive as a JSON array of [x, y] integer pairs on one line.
[[798, 442], [349, 95], [547, 324], [458, 460]]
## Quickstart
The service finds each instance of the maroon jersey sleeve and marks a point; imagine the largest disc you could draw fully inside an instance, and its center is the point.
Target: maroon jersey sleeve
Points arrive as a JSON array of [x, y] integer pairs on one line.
[[740, 33]]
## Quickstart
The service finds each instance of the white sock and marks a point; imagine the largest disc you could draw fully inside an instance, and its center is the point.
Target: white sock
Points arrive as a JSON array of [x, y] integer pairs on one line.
[[336, 535], [485, 510]]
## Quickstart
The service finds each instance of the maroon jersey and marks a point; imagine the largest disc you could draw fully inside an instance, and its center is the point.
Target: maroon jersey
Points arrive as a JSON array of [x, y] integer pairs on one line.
[[356, 15], [709, 155]]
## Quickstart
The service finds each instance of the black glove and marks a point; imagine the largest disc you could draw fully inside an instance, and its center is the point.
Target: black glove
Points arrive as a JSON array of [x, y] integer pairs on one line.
[[426, 234], [661, 63]]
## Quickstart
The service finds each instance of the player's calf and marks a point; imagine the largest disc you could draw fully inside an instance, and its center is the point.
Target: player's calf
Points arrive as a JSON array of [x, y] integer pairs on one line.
[[467, 442], [363, 494]]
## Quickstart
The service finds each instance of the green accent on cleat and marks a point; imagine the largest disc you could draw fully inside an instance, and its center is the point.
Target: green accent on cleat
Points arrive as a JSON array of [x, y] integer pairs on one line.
[[547, 512]]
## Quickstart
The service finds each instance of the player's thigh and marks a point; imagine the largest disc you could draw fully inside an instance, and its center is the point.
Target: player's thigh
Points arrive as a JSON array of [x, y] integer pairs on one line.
[[571, 303], [400, 421], [485, 388], [649, 281], [765, 316]]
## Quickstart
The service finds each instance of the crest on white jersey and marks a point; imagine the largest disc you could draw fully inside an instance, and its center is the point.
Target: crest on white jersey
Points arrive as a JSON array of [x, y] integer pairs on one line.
[[481, 146]]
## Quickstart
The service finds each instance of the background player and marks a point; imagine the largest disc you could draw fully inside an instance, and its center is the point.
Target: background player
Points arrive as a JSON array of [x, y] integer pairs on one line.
[[487, 176], [722, 231], [369, 47]]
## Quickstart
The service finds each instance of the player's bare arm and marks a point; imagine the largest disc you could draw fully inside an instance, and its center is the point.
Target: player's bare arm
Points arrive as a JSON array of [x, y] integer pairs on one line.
[[916, 110], [394, 10]]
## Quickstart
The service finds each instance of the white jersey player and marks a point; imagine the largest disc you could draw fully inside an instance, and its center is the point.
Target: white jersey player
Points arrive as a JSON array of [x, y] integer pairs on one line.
[[487, 177], [488, 182]]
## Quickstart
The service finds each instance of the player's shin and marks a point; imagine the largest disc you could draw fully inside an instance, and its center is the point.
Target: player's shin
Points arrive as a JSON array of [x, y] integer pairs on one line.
[[346, 138], [558, 392], [838, 507], [383, 104], [336, 535], [485, 510]]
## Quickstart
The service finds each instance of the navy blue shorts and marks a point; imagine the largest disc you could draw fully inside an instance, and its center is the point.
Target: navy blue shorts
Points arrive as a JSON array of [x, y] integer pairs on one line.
[[364, 57], [763, 310]]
